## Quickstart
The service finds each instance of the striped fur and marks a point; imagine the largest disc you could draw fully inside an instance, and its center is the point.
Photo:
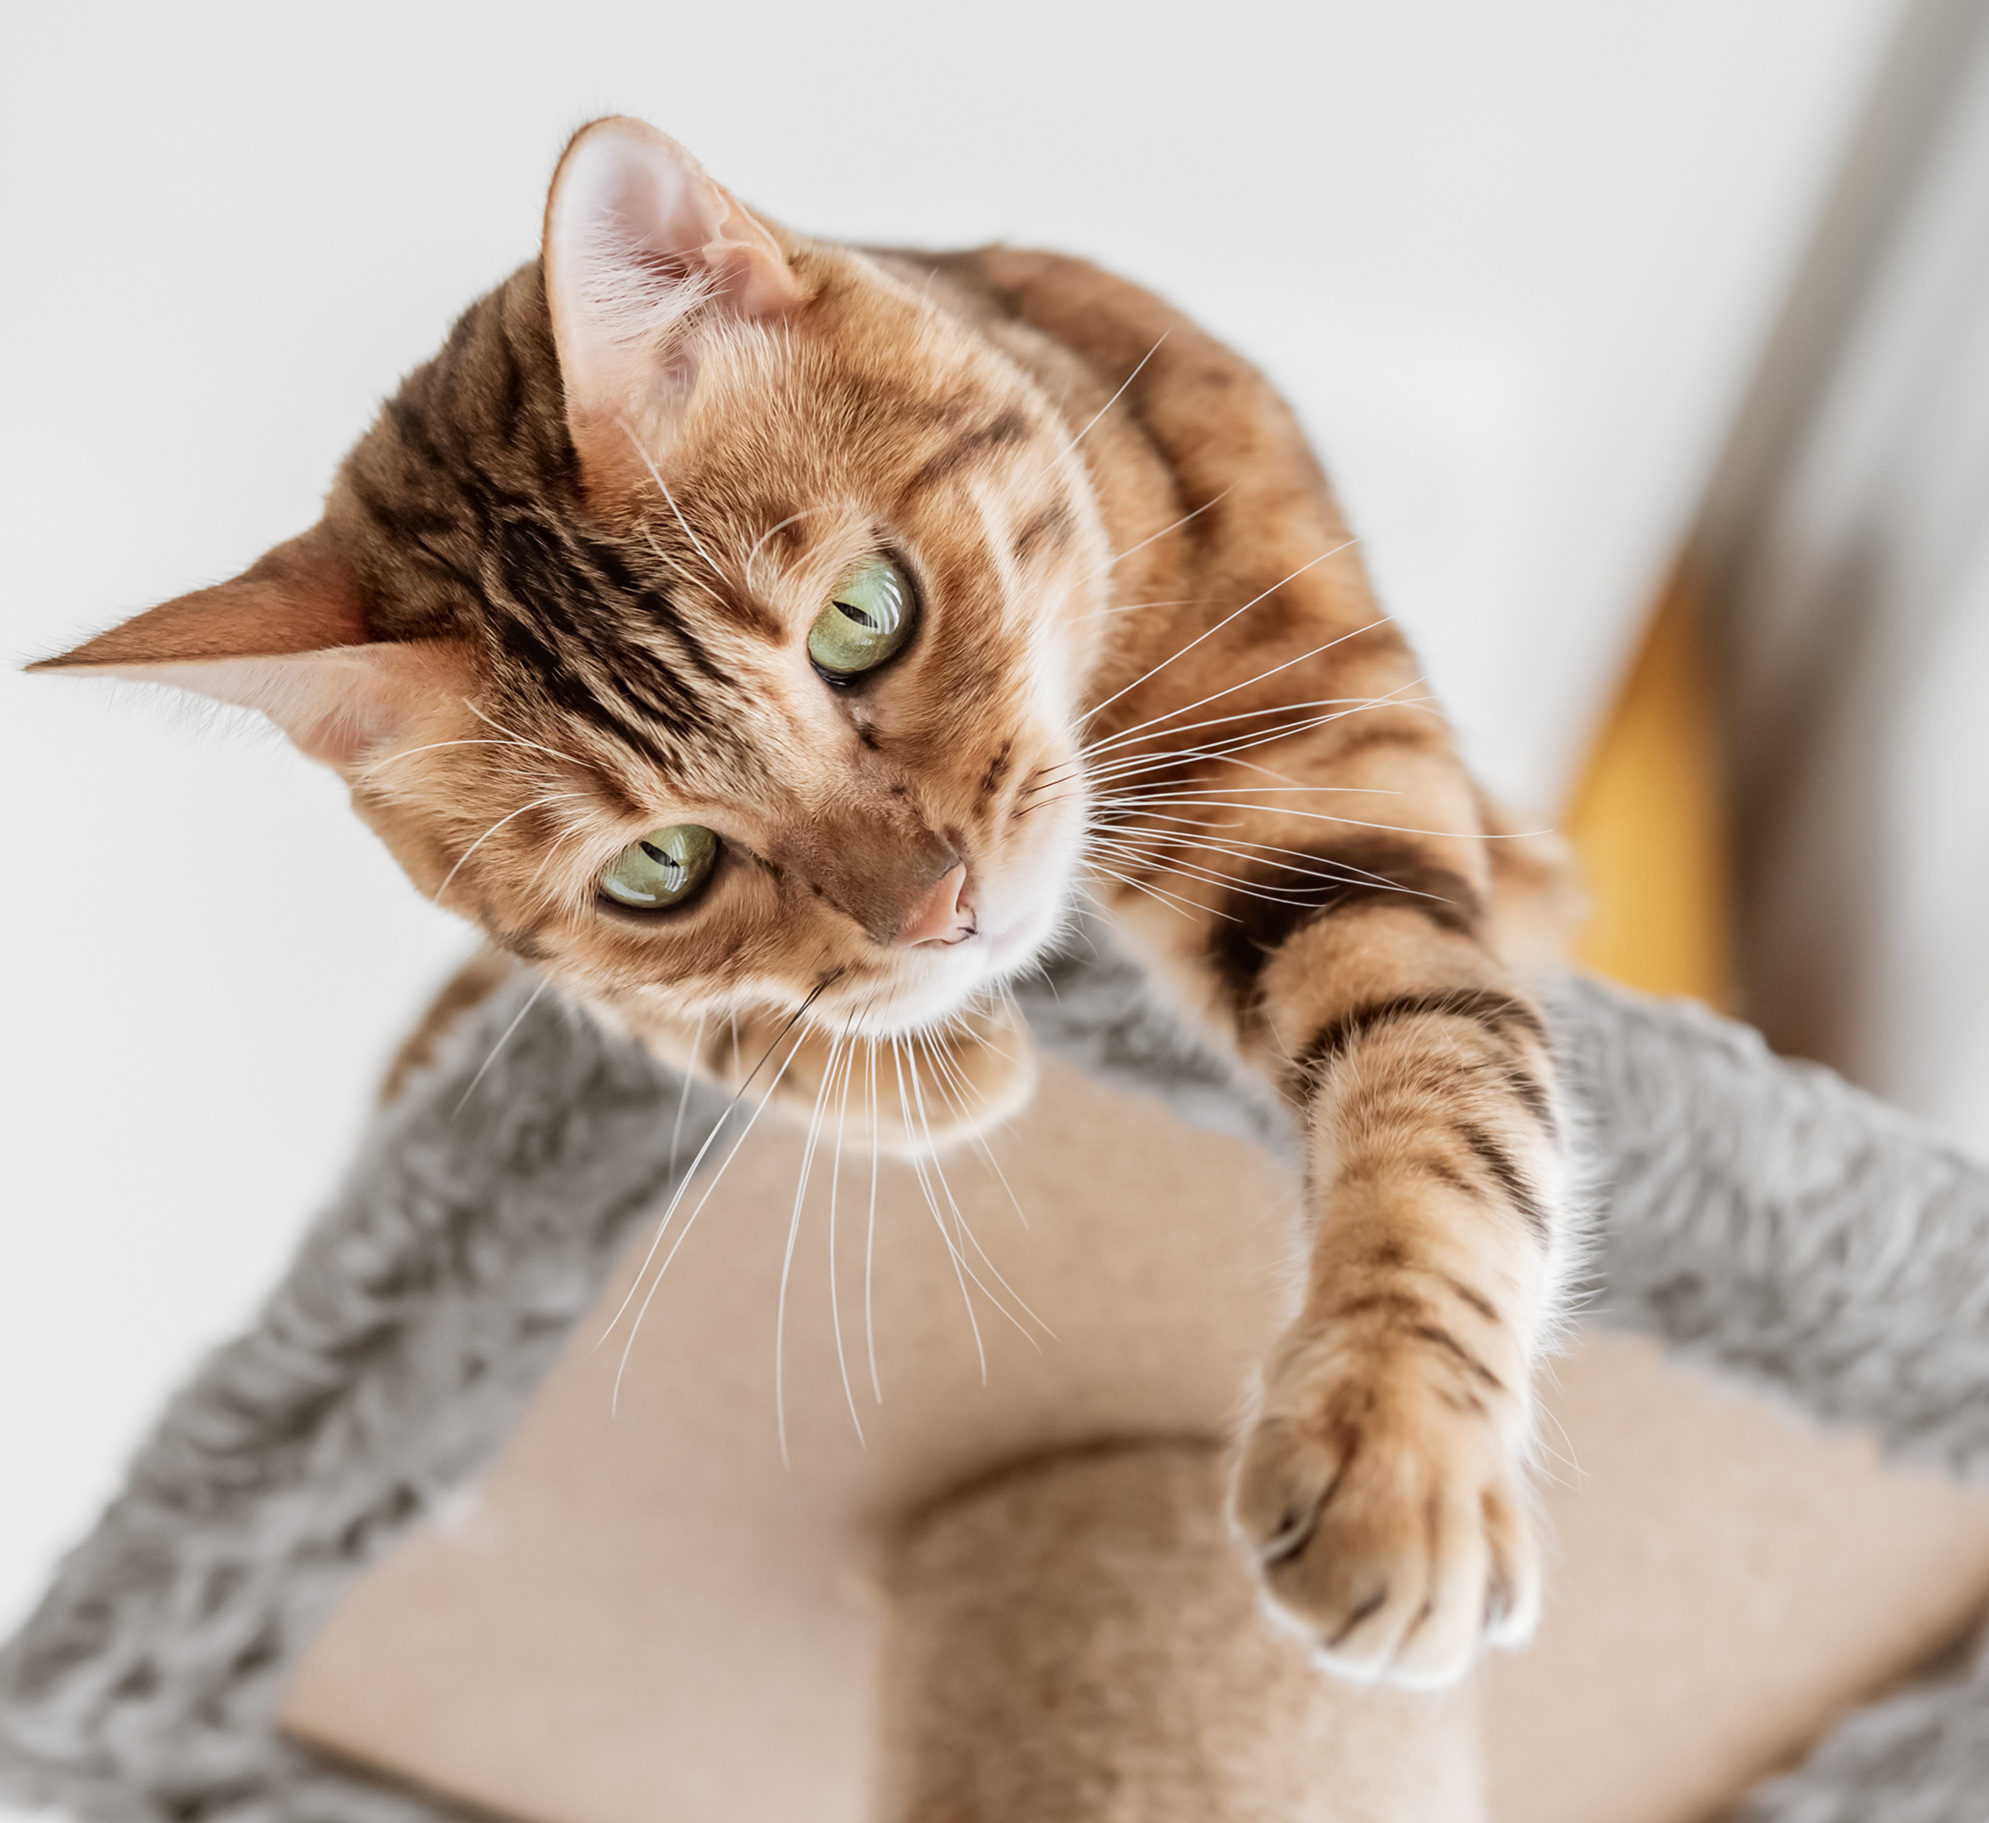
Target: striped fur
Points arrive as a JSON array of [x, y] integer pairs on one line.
[[533, 625]]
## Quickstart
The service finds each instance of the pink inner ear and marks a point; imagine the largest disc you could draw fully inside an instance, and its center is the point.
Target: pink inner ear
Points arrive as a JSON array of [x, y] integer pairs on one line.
[[633, 220], [639, 241]]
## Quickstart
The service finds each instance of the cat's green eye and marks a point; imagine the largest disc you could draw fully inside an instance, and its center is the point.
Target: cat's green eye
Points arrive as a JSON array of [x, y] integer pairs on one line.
[[662, 869], [868, 620]]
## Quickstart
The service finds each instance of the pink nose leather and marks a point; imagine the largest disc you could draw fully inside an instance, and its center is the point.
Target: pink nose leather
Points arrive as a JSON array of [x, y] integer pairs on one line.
[[939, 917]]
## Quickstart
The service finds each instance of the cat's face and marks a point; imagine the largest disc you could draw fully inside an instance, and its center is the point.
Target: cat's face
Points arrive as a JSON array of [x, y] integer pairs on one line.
[[706, 621], [883, 834]]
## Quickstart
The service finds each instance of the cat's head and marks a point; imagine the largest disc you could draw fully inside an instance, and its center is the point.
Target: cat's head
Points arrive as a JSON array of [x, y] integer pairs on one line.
[[704, 621]]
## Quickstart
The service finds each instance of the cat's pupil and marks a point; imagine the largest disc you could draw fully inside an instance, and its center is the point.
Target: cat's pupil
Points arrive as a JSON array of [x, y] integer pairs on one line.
[[871, 623], [661, 858]]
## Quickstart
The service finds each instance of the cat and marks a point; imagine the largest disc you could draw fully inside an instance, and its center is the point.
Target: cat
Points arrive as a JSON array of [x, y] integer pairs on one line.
[[770, 641]]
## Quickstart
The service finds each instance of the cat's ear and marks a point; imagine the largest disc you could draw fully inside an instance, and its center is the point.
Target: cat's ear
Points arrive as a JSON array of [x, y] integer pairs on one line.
[[642, 251], [287, 637]]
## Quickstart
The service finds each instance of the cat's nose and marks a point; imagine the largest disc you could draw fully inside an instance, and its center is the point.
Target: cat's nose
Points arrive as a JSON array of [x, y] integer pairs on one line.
[[941, 914]]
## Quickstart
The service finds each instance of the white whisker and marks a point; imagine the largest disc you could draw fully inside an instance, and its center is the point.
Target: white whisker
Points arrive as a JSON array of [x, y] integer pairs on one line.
[[1292, 895], [951, 1069], [663, 488], [553, 895], [1164, 793], [684, 1092], [1116, 780], [870, 1228], [710, 1140], [1186, 908], [835, 1184], [793, 1235], [1134, 549], [518, 740], [760, 542], [1130, 767], [1211, 632], [932, 1203], [405, 753], [530, 1002], [1188, 870], [1231, 690], [1347, 704], [690, 1222], [1241, 850], [1130, 607], [1117, 396], [1393, 829], [960, 1223], [551, 797], [1341, 873]]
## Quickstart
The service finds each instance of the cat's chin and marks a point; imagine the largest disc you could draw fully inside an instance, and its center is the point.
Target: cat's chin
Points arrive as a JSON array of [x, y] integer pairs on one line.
[[1013, 946]]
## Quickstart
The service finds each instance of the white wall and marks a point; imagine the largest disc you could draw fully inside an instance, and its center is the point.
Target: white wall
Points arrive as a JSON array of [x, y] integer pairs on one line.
[[1512, 257]]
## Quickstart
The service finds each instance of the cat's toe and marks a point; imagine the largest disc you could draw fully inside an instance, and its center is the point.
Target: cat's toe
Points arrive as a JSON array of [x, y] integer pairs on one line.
[[1397, 1557]]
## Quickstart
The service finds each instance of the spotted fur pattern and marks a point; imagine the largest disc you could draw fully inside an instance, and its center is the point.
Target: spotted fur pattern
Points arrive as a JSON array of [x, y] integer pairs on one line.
[[560, 595]]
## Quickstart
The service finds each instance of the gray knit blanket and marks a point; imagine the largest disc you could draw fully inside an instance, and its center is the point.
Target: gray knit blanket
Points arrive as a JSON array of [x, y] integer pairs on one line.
[[1760, 1217]]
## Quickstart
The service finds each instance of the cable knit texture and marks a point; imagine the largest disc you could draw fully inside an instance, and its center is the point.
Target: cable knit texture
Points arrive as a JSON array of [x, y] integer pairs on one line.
[[1760, 1217]]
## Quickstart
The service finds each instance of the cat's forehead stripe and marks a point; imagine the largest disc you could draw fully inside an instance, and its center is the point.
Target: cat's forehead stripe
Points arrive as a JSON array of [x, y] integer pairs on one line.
[[580, 624], [1008, 428]]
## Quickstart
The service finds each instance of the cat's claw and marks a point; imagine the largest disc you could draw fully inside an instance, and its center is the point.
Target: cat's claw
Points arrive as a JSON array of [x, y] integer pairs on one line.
[[1391, 1529]]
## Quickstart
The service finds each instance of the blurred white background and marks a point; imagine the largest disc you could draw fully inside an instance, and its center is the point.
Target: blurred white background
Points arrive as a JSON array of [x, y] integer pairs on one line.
[[1513, 259]]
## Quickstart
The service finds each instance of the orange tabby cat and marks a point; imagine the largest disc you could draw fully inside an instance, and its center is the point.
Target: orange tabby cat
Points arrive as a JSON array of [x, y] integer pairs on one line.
[[768, 641]]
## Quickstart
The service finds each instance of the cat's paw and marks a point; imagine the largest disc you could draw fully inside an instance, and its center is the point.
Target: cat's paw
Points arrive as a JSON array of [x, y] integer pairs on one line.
[[1388, 1511]]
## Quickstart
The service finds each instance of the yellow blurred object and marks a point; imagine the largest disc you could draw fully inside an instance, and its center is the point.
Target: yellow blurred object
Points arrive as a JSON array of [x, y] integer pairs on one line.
[[1648, 821]]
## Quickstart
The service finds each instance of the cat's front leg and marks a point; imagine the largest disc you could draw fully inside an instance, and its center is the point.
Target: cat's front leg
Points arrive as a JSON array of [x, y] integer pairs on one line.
[[1383, 1482], [1383, 1485]]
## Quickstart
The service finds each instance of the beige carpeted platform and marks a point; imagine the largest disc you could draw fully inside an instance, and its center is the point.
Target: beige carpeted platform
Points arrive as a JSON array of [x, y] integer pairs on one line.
[[642, 1614]]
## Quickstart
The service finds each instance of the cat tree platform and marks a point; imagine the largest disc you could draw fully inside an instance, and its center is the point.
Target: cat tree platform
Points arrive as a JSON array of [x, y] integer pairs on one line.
[[407, 1518]]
